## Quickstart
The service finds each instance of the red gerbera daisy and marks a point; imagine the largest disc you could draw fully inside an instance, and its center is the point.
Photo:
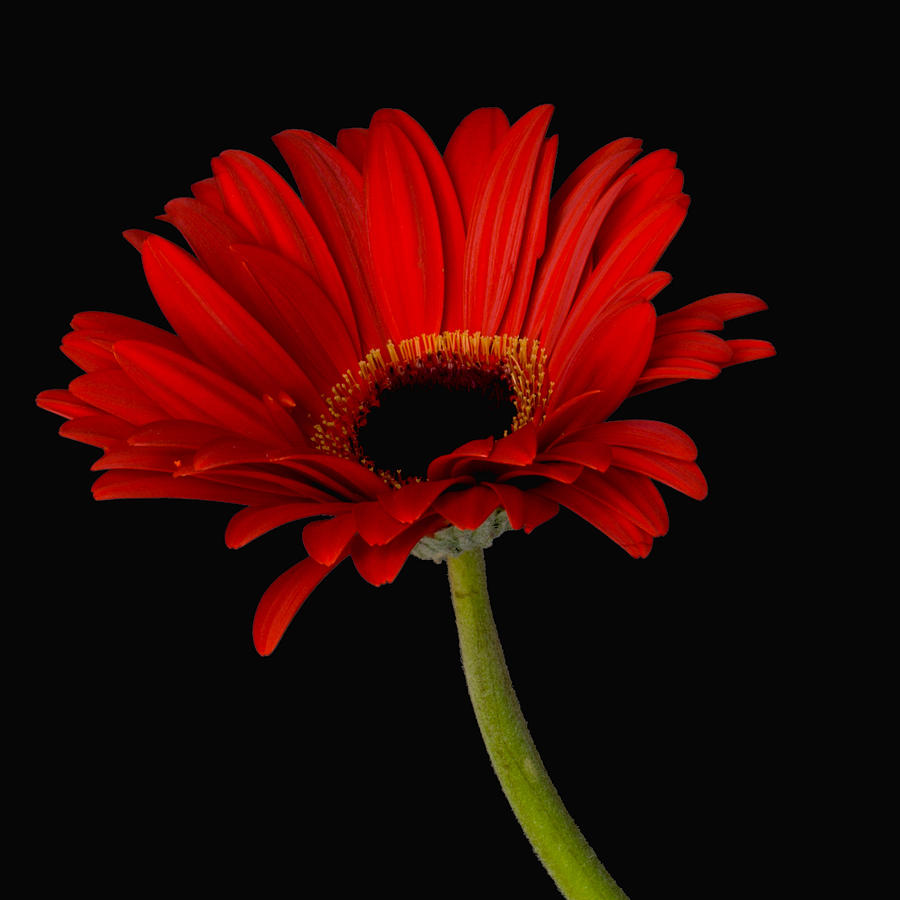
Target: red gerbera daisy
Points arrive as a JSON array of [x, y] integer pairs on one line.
[[404, 291]]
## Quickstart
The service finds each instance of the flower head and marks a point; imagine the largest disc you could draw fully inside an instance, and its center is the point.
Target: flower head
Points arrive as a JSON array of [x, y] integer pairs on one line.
[[414, 342]]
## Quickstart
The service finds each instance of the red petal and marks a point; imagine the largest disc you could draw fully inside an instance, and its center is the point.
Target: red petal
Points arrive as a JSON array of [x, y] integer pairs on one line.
[[636, 252], [498, 220], [123, 484], [332, 191], [380, 565], [281, 217], [98, 431], [615, 526], [229, 451], [573, 231], [680, 474], [590, 308], [64, 403], [720, 306], [249, 524], [409, 503], [301, 314], [468, 155], [442, 466], [517, 448], [652, 181], [452, 232], [352, 143], [566, 472], [348, 476], [404, 233], [176, 433], [570, 417], [374, 525], [611, 493], [326, 541], [641, 490], [218, 330], [534, 241], [138, 458], [188, 390], [207, 191], [523, 508], [112, 391], [746, 350], [643, 434], [281, 601], [610, 358], [690, 345], [597, 158], [468, 508], [586, 453]]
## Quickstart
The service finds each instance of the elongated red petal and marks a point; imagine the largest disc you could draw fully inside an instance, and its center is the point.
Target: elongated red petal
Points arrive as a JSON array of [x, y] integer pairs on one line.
[[571, 416], [404, 234], [99, 431], [179, 433], [114, 392], [746, 350], [332, 191], [683, 475], [106, 328], [498, 220], [218, 330], [533, 245], [281, 216], [302, 316], [280, 603], [610, 492], [586, 453], [642, 434], [142, 458], [634, 540], [560, 470], [123, 484], [575, 227], [610, 359], [64, 403], [468, 156], [188, 390], [591, 307], [250, 523], [446, 202]]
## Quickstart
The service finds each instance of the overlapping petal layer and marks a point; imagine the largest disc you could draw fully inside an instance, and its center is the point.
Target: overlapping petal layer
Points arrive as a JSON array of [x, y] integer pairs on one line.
[[387, 240]]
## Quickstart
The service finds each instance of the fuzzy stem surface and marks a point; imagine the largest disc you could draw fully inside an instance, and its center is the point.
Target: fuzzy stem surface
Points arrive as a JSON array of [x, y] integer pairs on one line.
[[553, 834]]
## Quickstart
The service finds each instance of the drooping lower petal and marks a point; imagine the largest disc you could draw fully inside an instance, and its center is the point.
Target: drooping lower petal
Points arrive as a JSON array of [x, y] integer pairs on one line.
[[280, 603], [251, 523], [633, 539]]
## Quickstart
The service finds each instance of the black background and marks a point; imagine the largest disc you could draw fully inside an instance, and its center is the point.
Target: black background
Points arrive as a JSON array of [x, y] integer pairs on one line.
[[666, 695]]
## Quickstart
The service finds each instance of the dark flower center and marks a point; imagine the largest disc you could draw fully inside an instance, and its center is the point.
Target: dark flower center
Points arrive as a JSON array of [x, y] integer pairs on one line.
[[413, 424], [415, 401]]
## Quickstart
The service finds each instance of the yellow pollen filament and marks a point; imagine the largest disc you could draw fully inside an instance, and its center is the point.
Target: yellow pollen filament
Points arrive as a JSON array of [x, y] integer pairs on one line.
[[519, 362]]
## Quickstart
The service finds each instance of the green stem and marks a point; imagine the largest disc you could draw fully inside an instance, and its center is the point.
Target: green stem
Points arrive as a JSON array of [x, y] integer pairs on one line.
[[559, 844]]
